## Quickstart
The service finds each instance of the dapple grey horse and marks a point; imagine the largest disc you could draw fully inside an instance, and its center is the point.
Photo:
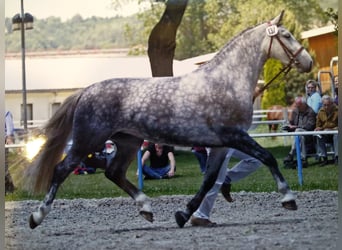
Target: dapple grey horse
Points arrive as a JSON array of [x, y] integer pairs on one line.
[[211, 106]]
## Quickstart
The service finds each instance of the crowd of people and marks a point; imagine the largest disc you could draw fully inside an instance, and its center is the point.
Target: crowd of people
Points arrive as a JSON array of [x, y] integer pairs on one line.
[[314, 113]]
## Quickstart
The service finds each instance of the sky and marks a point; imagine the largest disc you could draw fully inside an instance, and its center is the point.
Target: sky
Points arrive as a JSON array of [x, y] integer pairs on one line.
[[66, 9]]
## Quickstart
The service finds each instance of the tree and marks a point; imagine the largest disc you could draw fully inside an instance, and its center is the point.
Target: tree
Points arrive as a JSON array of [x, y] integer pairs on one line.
[[193, 32], [162, 40], [275, 94], [333, 17]]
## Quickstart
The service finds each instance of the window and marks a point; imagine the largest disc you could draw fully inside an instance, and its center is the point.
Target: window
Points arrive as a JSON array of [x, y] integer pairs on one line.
[[54, 107]]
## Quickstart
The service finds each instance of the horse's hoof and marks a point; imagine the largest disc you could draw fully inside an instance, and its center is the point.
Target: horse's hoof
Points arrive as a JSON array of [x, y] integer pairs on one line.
[[290, 205], [147, 215], [181, 218], [32, 223]]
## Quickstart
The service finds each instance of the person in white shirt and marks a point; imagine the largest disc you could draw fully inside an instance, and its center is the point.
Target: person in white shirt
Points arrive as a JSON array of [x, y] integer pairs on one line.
[[314, 99]]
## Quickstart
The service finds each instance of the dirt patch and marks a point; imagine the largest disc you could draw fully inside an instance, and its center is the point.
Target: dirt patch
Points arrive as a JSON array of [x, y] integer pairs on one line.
[[253, 221]]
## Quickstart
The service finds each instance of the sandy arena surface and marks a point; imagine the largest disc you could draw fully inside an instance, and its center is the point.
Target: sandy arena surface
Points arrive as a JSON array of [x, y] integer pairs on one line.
[[253, 221]]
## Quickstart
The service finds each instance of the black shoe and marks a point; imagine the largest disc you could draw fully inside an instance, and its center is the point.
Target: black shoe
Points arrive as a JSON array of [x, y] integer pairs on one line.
[[225, 190], [288, 158], [304, 163], [290, 165], [324, 162]]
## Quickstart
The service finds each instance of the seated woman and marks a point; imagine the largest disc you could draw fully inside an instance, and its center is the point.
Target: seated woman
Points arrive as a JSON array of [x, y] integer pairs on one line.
[[162, 162]]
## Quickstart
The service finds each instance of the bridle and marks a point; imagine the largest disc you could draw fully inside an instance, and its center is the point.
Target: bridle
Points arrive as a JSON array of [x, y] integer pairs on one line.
[[272, 32]]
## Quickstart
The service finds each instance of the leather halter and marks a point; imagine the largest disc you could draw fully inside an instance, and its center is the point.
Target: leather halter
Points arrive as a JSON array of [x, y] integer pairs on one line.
[[292, 56]]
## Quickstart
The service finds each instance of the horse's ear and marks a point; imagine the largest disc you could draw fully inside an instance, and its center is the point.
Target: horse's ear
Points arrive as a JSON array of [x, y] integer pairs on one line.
[[277, 20]]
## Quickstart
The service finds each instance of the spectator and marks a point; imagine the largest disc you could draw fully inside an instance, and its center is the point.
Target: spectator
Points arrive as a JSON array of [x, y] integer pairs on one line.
[[336, 90], [82, 168], [162, 162], [97, 160], [9, 139], [109, 152], [303, 118], [327, 119], [314, 99], [201, 155]]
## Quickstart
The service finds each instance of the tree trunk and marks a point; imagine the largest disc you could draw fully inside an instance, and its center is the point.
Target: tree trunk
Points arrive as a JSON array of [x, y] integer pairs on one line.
[[162, 40]]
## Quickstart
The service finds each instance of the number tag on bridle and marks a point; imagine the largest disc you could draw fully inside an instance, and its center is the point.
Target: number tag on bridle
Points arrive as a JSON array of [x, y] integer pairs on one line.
[[272, 30]]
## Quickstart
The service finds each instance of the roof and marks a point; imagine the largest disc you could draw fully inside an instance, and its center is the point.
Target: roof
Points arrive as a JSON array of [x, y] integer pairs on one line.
[[79, 71], [198, 60], [71, 72], [318, 31]]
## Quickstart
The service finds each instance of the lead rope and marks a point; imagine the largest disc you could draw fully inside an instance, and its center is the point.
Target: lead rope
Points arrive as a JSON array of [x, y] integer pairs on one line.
[[267, 85]]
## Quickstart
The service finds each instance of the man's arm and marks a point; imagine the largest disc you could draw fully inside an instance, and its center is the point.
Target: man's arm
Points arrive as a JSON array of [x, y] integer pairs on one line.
[[172, 163], [145, 157]]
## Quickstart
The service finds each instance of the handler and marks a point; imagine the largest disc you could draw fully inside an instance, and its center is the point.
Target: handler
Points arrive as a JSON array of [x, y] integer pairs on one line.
[[246, 166]]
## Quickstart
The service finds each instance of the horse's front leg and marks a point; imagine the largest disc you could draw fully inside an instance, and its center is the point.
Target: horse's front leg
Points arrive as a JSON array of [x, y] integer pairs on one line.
[[289, 199], [61, 172], [239, 139], [215, 161]]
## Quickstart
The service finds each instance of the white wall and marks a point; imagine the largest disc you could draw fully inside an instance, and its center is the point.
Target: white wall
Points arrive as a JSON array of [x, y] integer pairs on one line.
[[41, 103]]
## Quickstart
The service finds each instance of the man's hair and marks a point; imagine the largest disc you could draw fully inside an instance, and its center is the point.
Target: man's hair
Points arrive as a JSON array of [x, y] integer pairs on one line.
[[328, 98], [301, 99], [312, 82]]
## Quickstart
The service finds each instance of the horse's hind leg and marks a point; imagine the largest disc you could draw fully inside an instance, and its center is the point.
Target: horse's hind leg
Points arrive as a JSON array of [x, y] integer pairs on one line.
[[215, 161], [127, 147], [240, 140], [61, 172]]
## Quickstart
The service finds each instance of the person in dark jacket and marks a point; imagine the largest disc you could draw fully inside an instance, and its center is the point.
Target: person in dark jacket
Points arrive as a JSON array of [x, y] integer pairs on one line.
[[303, 119], [162, 162], [201, 155]]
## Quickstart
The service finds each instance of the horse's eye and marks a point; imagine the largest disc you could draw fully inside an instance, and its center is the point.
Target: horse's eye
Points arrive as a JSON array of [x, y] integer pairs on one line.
[[287, 35]]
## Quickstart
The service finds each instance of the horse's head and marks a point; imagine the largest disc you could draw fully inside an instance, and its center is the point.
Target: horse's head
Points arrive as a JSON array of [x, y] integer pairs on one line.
[[282, 45]]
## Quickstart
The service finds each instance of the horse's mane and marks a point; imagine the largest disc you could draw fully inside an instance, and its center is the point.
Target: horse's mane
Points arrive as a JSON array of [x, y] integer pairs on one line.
[[232, 42]]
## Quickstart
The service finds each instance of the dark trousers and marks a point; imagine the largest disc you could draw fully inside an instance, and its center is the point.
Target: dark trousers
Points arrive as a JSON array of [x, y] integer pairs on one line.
[[9, 186]]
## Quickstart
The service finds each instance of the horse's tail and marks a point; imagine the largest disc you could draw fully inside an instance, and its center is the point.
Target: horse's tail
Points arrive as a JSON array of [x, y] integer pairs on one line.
[[38, 175]]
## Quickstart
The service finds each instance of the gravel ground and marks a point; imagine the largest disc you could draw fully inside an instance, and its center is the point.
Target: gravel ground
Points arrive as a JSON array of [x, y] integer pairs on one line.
[[253, 221]]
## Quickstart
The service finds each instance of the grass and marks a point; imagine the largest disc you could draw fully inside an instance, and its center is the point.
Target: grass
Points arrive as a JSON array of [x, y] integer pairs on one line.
[[188, 177]]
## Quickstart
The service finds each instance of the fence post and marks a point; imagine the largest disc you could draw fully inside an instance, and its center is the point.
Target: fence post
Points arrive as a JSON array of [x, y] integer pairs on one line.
[[140, 175], [286, 121], [299, 161]]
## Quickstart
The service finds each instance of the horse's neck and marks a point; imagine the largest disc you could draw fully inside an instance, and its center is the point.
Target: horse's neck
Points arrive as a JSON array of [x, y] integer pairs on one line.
[[243, 57]]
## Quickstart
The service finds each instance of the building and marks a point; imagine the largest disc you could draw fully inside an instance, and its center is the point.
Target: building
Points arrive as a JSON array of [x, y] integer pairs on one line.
[[51, 78], [323, 42]]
